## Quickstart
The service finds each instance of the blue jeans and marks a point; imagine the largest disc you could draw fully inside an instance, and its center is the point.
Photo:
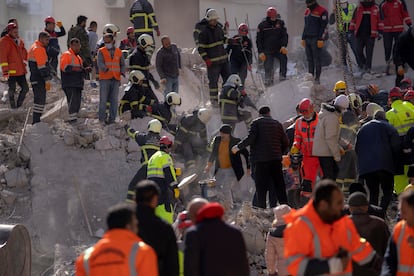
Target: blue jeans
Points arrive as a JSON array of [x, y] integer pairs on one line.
[[108, 92], [171, 85]]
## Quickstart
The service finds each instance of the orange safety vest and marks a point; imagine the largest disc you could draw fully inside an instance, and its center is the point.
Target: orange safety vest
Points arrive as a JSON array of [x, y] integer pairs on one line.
[[113, 64], [70, 58], [308, 237], [304, 134], [37, 56], [405, 253]]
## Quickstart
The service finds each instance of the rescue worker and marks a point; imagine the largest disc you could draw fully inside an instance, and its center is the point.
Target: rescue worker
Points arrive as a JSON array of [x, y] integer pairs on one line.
[[409, 96], [142, 16], [240, 51], [271, 41], [130, 42], [403, 53], [161, 170], [398, 259], [367, 26], [231, 98], [108, 28], [340, 88], [191, 136], [211, 49], [53, 49], [305, 128], [5, 31], [393, 14], [13, 56], [149, 144], [120, 251], [137, 96], [203, 23], [39, 74], [111, 66], [320, 240], [72, 73], [163, 112], [80, 33], [401, 116], [314, 36]]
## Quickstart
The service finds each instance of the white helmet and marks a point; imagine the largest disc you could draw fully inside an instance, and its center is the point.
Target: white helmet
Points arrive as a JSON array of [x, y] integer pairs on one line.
[[204, 115], [355, 100], [136, 76], [145, 40], [173, 98], [234, 80], [111, 28], [212, 15], [342, 102], [154, 126]]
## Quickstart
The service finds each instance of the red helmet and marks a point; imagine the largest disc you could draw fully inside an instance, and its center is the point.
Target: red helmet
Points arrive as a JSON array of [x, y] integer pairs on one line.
[[406, 83], [305, 106], [50, 19], [11, 26], [409, 95], [130, 30], [271, 12], [165, 141], [395, 93], [243, 29]]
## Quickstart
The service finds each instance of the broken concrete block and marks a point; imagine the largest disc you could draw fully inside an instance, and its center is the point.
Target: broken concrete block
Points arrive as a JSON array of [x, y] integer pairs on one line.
[[107, 143], [59, 111], [81, 141], [8, 197], [16, 178], [69, 138], [132, 146], [3, 169], [88, 135]]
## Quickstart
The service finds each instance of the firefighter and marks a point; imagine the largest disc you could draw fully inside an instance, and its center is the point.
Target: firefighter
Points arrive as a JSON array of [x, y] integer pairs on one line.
[[231, 98], [403, 54], [149, 143], [240, 50], [142, 16], [305, 128], [367, 26], [320, 240], [314, 36], [203, 23], [136, 96], [13, 56], [130, 42], [162, 111], [161, 170], [211, 49], [401, 116], [53, 49], [191, 136], [39, 74], [271, 41]]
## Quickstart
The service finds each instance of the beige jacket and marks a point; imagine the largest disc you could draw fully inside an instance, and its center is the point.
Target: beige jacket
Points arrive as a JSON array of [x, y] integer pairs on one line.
[[275, 261]]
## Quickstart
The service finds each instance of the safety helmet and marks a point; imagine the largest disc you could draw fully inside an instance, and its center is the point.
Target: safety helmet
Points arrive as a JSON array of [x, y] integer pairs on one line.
[[339, 85], [355, 100], [136, 76], [271, 12], [204, 115], [305, 106], [406, 83], [234, 80], [173, 98], [373, 89], [409, 95], [212, 14], [50, 19], [111, 28], [145, 40], [395, 93], [243, 29], [154, 126], [11, 26], [130, 30], [183, 220], [341, 101], [165, 141]]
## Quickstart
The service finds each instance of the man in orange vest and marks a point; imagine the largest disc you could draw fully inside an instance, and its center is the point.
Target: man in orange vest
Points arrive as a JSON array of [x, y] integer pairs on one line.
[[111, 66], [39, 74], [13, 56], [399, 257], [319, 239], [120, 252]]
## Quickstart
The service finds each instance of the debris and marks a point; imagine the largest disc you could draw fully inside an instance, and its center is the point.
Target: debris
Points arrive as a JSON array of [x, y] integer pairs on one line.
[[8, 196], [16, 178]]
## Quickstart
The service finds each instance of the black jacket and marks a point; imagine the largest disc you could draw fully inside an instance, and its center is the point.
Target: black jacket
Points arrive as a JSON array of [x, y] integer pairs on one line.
[[190, 126], [271, 36], [160, 236], [168, 61], [235, 159], [211, 42], [403, 52], [240, 50], [267, 140]]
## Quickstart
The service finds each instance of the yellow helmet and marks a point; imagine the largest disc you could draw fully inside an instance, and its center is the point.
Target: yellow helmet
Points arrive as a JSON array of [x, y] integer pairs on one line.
[[339, 85]]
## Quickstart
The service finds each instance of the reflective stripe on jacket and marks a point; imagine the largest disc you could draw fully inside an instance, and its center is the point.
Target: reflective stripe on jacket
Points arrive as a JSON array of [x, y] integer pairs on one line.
[[211, 42], [143, 17], [38, 62], [304, 134], [376, 22], [394, 14], [12, 56], [316, 21], [113, 64], [71, 69], [347, 17], [401, 116], [402, 233], [158, 162]]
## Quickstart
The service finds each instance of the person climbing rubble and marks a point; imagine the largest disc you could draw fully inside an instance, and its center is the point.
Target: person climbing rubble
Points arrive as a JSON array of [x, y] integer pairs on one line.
[[149, 143], [53, 49], [271, 41], [240, 51], [163, 111]]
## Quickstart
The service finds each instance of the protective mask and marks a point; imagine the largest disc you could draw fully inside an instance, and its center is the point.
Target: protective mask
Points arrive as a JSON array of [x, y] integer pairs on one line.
[[109, 46]]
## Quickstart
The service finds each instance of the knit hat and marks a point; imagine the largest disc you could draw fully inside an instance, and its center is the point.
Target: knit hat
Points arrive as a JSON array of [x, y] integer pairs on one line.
[[342, 102], [279, 212], [358, 199], [372, 108], [226, 129], [380, 115]]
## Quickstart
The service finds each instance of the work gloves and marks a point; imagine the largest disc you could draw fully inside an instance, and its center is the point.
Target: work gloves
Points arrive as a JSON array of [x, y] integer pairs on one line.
[[262, 57]]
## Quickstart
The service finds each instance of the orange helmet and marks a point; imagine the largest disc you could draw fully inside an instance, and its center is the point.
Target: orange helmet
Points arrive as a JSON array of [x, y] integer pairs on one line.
[[305, 106], [373, 89], [409, 95], [271, 12], [130, 30], [50, 19], [243, 29]]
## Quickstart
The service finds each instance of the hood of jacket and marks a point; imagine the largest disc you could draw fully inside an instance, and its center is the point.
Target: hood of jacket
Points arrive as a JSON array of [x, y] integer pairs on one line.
[[327, 109]]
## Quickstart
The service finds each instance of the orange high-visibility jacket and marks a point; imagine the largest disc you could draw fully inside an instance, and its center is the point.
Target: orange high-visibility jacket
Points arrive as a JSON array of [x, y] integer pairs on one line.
[[112, 64], [38, 62], [12, 56], [308, 238], [404, 252], [71, 69], [304, 134], [119, 253]]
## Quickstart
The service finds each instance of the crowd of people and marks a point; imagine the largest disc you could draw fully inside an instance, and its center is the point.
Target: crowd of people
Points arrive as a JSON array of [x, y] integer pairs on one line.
[[357, 144]]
